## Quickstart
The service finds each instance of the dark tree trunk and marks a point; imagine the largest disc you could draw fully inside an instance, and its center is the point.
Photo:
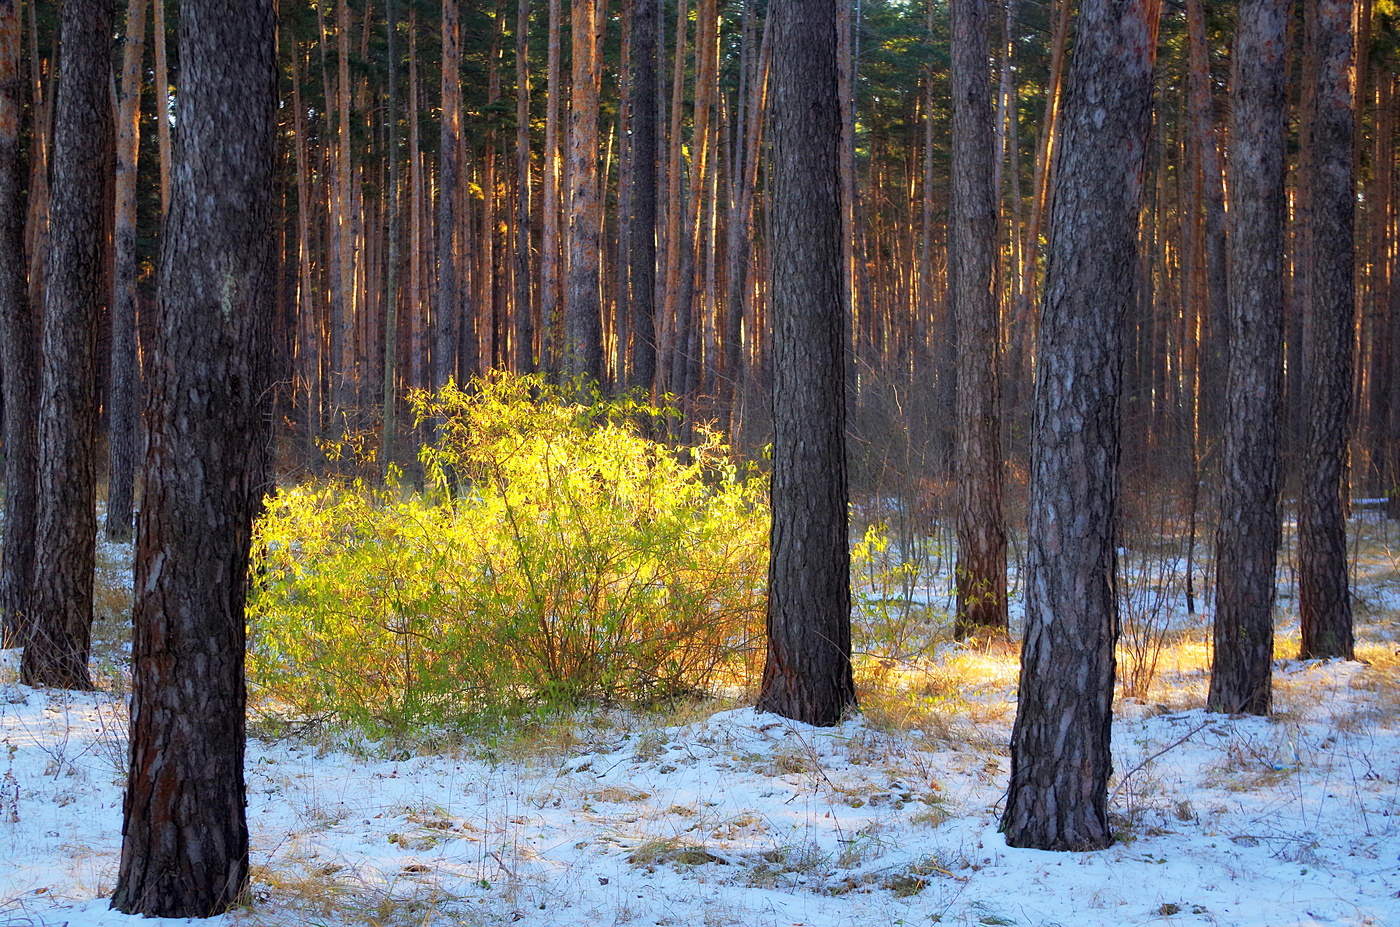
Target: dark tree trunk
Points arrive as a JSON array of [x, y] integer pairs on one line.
[[18, 337], [56, 652], [123, 424], [641, 231], [185, 846], [1324, 599], [981, 570], [1060, 760], [807, 674], [1247, 540]]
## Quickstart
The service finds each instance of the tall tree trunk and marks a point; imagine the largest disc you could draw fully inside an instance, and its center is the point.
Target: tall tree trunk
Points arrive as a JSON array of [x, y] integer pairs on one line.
[[1248, 536], [1324, 599], [123, 424], [162, 78], [1060, 758], [19, 334], [307, 314], [56, 652], [391, 269], [583, 325], [342, 232], [550, 276], [185, 844], [641, 220], [524, 309], [448, 321], [807, 673], [981, 569]]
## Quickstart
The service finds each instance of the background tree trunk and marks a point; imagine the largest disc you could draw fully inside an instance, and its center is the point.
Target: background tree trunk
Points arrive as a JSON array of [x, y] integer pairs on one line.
[[185, 846], [641, 221], [123, 424], [1324, 599], [19, 333], [807, 673], [447, 324], [583, 324], [56, 652], [1060, 759], [981, 567]]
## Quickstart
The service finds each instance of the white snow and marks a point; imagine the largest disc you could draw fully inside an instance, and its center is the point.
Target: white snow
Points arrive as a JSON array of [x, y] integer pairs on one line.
[[746, 819]]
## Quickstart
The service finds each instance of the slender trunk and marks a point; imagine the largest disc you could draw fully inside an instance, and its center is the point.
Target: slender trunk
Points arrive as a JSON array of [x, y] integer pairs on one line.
[[123, 424], [583, 343], [524, 310], [163, 102], [550, 276], [391, 269], [1248, 536], [449, 311], [19, 334], [641, 219]]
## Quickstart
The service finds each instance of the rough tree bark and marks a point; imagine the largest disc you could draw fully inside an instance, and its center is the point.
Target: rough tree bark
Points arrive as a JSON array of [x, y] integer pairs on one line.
[[185, 846], [56, 651], [807, 673], [18, 336], [1060, 759], [123, 424], [1248, 536], [981, 568], [1324, 599]]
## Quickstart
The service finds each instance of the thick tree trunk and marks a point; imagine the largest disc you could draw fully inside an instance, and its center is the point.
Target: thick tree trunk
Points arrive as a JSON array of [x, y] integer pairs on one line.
[[19, 333], [1248, 536], [185, 846], [123, 424], [641, 222], [1324, 598], [1060, 759], [583, 325], [56, 651], [981, 569], [807, 674]]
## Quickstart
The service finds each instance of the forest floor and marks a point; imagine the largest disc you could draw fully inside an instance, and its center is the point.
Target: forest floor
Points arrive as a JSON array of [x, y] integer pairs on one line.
[[715, 815]]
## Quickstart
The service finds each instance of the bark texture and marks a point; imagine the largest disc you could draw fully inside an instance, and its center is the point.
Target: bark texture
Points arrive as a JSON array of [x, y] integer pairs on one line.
[[56, 652], [807, 673], [1324, 599], [1060, 759], [1248, 536], [981, 569], [185, 837], [18, 337]]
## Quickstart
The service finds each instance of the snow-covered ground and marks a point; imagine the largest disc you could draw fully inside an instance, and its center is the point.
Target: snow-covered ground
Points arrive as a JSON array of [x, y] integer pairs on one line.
[[745, 819]]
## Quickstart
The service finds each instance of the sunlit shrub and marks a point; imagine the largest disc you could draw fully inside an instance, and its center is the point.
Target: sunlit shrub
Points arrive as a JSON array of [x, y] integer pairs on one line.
[[556, 555]]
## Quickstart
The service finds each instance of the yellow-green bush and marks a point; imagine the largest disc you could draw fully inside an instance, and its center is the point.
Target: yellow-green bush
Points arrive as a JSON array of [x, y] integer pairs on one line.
[[556, 555]]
